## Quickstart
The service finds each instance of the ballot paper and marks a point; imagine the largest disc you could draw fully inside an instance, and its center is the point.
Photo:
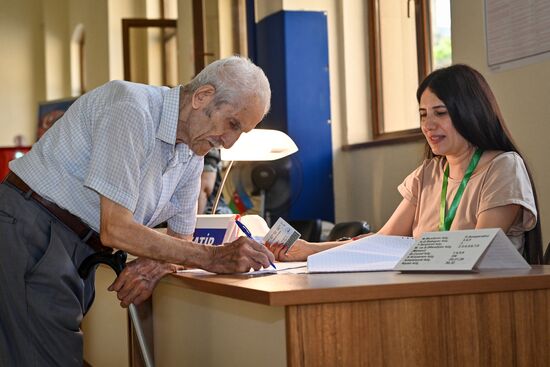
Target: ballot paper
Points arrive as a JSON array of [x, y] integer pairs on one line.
[[282, 233], [466, 250], [297, 267], [371, 253]]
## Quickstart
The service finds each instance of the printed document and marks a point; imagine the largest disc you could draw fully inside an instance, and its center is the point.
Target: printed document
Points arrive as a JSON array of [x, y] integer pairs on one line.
[[466, 250]]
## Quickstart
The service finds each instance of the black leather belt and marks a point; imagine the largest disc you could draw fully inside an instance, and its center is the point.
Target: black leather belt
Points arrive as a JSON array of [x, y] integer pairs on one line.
[[84, 232]]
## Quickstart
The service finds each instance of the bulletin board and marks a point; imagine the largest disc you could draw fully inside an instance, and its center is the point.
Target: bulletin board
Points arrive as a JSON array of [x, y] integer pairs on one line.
[[517, 32]]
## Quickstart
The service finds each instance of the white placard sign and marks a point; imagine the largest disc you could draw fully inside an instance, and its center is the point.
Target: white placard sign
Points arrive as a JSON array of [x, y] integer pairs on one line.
[[467, 250]]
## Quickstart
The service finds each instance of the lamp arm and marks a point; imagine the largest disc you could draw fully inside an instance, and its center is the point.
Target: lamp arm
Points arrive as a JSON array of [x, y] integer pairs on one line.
[[220, 189]]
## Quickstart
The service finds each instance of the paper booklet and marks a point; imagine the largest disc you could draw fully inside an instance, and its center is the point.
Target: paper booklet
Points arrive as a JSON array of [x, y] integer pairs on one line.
[[467, 250], [371, 253]]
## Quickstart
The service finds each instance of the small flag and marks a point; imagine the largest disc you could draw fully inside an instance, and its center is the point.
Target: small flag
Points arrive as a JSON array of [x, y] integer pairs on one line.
[[240, 201]]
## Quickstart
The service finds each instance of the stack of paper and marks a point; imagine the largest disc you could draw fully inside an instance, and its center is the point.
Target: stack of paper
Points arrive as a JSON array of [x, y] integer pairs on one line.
[[372, 253]]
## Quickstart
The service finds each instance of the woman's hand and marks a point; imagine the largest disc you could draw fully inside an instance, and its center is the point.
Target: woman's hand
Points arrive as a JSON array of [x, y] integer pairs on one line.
[[298, 252]]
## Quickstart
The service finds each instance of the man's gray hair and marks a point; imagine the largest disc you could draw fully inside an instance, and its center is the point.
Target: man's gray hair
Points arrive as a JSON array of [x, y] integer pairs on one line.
[[236, 80]]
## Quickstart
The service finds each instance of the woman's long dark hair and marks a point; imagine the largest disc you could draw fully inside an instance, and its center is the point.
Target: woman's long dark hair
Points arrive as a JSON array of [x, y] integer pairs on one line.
[[475, 114]]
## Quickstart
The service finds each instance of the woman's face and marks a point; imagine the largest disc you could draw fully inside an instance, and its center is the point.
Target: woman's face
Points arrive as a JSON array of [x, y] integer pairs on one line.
[[438, 128]]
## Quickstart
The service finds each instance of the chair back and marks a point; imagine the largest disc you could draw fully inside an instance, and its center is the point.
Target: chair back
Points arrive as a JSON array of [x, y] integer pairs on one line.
[[532, 248], [346, 230], [310, 229]]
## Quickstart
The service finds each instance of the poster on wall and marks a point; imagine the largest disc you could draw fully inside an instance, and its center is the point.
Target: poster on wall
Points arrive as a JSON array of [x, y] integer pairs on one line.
[[49, 112]]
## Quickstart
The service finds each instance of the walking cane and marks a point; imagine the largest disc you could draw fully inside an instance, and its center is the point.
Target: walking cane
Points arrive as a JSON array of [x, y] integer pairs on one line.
[[117, 261]]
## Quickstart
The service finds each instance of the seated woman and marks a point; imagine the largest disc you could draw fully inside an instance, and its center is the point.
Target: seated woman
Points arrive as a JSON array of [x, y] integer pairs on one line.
[[473, 175]]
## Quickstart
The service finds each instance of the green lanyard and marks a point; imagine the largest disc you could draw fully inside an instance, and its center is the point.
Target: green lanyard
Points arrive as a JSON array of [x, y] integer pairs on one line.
[[446, 221]]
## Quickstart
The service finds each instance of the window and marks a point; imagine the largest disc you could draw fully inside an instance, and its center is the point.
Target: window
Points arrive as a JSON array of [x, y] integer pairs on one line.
[[220, 30], [441, 33], [150, 51], [408, 39], [150, 45]]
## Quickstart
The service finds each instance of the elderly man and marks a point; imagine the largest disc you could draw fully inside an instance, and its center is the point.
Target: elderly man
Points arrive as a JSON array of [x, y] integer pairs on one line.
[[122, 159]]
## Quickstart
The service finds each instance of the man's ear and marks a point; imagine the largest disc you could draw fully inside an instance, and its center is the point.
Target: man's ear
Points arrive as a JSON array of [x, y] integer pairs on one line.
[[202, 96]]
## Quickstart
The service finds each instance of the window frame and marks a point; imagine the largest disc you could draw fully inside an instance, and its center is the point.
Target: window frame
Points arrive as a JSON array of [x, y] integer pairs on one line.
[[127, 25], [423, 46]]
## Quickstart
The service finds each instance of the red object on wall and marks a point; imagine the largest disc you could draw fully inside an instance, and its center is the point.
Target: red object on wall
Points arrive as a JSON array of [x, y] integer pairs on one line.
[[7, 155]]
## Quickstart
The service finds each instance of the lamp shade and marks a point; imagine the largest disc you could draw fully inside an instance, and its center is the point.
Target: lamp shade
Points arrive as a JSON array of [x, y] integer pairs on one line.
[[260, 145], [256, 145]]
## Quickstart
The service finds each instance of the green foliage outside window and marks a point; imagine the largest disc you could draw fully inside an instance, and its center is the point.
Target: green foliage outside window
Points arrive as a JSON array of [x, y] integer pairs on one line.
[[442, 52]]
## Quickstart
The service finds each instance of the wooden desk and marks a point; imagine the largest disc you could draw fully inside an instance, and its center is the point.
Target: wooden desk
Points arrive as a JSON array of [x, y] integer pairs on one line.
[[498, 318]]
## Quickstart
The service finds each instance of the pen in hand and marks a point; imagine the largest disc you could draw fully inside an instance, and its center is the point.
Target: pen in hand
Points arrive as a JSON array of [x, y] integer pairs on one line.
[[249, 235]]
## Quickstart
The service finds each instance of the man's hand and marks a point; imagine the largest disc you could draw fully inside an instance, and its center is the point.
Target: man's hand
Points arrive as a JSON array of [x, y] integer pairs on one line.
[[238, 257], [138, 280]]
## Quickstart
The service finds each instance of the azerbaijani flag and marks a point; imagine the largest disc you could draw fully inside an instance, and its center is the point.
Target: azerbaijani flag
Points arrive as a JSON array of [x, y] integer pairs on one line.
[[240, 201]]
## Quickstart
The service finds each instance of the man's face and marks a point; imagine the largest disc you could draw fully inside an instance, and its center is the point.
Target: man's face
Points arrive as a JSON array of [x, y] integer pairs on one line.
[[209, 127]]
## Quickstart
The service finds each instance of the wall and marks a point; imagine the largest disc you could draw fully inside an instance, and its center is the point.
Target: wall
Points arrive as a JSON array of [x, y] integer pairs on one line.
[[37, 34], [371, 175], [523, 94], [364, 180], [21, 69], [93, 14], [359, 192], [186, 56], [118, 10], [57, 50], [338, 86]]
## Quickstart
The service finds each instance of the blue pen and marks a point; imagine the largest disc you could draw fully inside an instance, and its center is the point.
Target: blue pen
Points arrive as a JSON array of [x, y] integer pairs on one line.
[[249, 235]]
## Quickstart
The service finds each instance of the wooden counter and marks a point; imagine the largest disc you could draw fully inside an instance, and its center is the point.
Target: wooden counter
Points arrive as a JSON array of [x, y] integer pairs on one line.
[[496, 318]]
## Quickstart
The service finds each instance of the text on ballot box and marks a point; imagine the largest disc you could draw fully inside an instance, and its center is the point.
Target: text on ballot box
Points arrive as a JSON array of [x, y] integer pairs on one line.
[[215, 229]]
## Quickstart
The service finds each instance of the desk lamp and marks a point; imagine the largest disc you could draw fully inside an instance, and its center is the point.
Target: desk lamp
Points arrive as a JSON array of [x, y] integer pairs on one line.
[[256, 145]]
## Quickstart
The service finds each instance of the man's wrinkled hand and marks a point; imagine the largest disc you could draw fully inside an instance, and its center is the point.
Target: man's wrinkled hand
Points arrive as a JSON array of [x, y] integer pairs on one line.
[[239, 256], [138, 280]]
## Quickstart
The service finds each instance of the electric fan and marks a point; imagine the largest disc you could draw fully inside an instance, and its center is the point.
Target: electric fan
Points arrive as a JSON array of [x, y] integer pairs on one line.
[[273, 182]]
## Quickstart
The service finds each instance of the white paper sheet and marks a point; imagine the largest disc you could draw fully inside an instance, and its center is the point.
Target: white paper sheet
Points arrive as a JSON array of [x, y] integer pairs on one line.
[[372, 253]]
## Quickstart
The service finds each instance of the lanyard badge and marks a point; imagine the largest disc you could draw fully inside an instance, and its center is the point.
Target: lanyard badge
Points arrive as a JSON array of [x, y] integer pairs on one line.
[[445, 221]]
